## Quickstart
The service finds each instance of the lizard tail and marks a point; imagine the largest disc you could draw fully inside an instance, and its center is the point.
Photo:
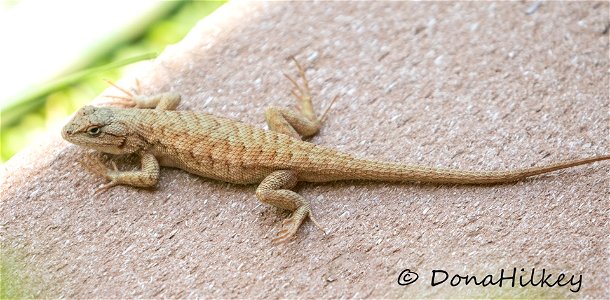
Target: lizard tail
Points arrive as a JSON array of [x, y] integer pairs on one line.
[[384, 171]]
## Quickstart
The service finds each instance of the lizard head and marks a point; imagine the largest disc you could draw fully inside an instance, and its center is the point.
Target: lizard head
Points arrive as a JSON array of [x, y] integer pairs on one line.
[[102, 129]]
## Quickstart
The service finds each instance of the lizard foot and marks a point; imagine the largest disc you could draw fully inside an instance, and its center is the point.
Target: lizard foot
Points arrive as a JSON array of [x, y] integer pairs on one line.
[[291, 225], [104, 187], [127, 101], [289, 229], [162, 101], [303, 94], [96, 166]]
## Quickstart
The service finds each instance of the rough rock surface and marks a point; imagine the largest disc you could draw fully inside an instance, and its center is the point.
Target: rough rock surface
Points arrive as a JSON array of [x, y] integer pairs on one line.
[[463, 85]]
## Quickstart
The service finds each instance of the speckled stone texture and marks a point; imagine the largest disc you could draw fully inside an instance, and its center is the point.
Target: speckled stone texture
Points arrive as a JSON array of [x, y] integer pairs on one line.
[[462, 85]]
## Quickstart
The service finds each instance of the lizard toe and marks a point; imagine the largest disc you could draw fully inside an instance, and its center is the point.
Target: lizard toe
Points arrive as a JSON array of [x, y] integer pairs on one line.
[[104, 187]]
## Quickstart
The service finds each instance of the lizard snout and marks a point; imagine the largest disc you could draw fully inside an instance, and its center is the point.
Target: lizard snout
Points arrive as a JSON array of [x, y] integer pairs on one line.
[[67, 131]]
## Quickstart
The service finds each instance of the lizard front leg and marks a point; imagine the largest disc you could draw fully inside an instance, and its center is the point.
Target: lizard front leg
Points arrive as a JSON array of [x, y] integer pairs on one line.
[[303, 123], [161, 101], [274, 190], [147, 176]]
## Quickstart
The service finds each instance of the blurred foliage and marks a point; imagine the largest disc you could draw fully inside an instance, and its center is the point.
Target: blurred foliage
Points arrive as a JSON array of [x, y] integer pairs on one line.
[[14, 281], [48, 111]]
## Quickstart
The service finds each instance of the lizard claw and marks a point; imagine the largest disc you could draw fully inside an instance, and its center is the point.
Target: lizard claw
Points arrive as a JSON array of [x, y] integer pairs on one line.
[[300, 90], [291, 225], [127, 101], [96, 166], [316, 223], [133, 98], [287, 221], [325, 114], [104, 188], [283, 236], [124, 101], [289, 229]]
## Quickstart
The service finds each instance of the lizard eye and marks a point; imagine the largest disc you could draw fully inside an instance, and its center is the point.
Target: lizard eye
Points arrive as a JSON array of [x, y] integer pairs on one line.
[[94, 131]]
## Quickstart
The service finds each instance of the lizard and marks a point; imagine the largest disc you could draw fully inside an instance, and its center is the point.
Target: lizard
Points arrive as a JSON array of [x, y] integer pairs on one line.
[[231, 151]]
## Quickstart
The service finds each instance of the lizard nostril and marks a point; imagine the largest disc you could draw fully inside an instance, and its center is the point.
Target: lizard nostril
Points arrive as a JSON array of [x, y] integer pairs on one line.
[[66, 132]]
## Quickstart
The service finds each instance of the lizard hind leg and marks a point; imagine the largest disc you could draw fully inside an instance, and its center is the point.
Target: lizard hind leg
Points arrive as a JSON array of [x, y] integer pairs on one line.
[[274, 190], [298, 124]]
